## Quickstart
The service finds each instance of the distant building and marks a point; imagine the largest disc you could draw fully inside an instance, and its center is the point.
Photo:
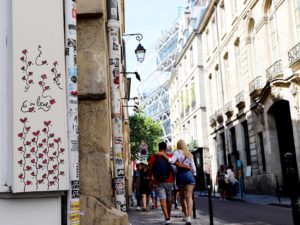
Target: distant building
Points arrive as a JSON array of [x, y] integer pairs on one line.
[[153, 92], [187, 93], [251, 65]]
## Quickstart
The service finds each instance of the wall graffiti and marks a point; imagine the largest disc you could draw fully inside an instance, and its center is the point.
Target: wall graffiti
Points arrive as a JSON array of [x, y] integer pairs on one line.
[[40, 157], [43, 101]]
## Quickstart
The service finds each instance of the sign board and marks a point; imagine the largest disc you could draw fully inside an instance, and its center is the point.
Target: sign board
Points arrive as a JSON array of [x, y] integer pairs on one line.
[[143, 147], [248, 171]]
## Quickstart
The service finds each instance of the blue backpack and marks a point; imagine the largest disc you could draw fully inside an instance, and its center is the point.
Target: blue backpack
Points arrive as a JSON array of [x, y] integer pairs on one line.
[[161, 169]]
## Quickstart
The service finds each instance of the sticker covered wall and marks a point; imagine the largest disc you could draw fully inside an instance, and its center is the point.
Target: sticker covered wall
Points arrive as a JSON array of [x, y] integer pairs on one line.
[[39, 102]]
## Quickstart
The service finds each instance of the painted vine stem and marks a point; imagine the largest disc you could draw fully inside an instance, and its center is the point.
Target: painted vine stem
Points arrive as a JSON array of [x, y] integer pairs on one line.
[[25, 68]]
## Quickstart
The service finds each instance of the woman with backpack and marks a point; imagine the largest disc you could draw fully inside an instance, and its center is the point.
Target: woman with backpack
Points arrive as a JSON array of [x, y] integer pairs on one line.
[[186, 171]]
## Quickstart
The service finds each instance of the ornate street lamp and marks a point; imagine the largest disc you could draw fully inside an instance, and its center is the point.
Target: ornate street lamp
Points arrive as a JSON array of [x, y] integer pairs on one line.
[[140, 51]]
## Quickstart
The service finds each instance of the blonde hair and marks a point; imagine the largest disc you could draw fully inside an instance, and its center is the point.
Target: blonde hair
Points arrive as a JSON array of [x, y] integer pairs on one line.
[[181, 145]]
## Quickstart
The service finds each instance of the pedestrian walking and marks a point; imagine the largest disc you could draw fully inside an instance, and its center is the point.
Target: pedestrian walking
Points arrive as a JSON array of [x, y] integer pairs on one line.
[[231, 182], [136, 185], [220, 180], [163, 174], [145, 185], [186, 170]]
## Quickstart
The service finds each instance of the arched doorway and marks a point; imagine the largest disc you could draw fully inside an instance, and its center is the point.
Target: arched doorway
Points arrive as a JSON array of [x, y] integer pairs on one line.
[[282, 118]]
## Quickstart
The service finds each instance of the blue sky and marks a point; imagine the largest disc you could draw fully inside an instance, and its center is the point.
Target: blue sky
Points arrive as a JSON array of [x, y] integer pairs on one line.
[[150, 18]]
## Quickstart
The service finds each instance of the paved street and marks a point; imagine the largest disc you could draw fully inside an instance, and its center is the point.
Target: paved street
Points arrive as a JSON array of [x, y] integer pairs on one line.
[[225, 212]]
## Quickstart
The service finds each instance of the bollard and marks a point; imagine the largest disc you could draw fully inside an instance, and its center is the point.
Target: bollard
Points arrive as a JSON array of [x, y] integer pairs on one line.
[[211, 220], [278, 190], [293, 185]]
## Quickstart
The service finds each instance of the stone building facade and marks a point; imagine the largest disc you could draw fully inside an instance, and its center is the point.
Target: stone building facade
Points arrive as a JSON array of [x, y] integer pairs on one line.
[[186, 90], [95, 126], [251, 65]]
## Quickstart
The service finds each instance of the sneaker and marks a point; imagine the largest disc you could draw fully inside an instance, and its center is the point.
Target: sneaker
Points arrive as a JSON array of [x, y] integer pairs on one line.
[[188, 220], [167, 221], [138, 208]]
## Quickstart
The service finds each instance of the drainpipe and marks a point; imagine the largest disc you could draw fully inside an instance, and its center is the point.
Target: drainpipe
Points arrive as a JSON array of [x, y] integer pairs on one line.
[[72, 107], [116, 106]]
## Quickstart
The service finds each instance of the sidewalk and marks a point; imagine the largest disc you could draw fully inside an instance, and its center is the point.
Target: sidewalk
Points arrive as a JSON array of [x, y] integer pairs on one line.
[[155, 217], [258, 199]]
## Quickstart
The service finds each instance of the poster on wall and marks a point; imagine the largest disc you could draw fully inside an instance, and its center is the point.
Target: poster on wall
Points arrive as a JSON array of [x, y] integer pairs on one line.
[[39, 102]]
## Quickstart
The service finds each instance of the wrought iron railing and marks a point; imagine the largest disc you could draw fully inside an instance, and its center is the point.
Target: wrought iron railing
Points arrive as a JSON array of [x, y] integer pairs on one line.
[[274, 71], [255, 85], [294, 54]]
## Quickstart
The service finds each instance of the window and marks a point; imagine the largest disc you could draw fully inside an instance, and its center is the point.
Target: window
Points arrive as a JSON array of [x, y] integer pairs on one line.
[[207, 43], [187, 99], [273, 33], [222, 18], [195, 128], [239, 78], [247, 144], [227, 76], [262, 151], [233, 140], [211, 85], [254, 58], [191, 57], [214, 33], [223, 146], [218, 88], [297, 17], [193, 95]]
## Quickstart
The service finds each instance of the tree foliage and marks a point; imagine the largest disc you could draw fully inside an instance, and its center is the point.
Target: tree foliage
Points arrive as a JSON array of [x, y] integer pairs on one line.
[[143, 128]]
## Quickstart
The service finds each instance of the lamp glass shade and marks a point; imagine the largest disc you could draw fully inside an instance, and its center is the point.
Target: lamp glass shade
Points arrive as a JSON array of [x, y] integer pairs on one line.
[[140, 53]]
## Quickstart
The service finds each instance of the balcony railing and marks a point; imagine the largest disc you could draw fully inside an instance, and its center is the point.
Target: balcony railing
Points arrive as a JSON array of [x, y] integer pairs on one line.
[[219, 115], [228, 109], [255, 86], [212, 120], [240, 100], [294, 54], [274, 71]]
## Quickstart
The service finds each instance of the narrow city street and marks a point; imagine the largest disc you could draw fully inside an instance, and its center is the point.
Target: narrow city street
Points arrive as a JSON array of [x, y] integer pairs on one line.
[[239, 212], [224, 212]]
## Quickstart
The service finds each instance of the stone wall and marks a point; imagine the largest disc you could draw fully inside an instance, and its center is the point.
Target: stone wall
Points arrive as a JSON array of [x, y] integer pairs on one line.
[[96, 195]]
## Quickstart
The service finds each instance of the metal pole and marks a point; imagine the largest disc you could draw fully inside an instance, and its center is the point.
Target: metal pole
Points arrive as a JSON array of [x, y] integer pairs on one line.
[[278, 190], [293, 185], [194, 206], [211, 219], [116, 105], [72, 106]]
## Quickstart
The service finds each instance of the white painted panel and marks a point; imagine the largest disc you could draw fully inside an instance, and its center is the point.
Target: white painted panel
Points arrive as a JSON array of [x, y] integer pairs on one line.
[[45, 211], [40, 121], [5, 98]]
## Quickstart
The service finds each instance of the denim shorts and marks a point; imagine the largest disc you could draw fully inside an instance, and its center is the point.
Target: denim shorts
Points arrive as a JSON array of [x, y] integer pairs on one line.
[[164, 191], [184, 177]]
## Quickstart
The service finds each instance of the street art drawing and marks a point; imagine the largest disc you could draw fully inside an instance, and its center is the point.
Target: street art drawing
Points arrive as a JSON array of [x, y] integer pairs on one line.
[[40, 141], [40, 157]]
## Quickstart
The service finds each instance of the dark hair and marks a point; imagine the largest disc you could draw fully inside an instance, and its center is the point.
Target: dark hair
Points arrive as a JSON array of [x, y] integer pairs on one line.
[[162, 146]]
